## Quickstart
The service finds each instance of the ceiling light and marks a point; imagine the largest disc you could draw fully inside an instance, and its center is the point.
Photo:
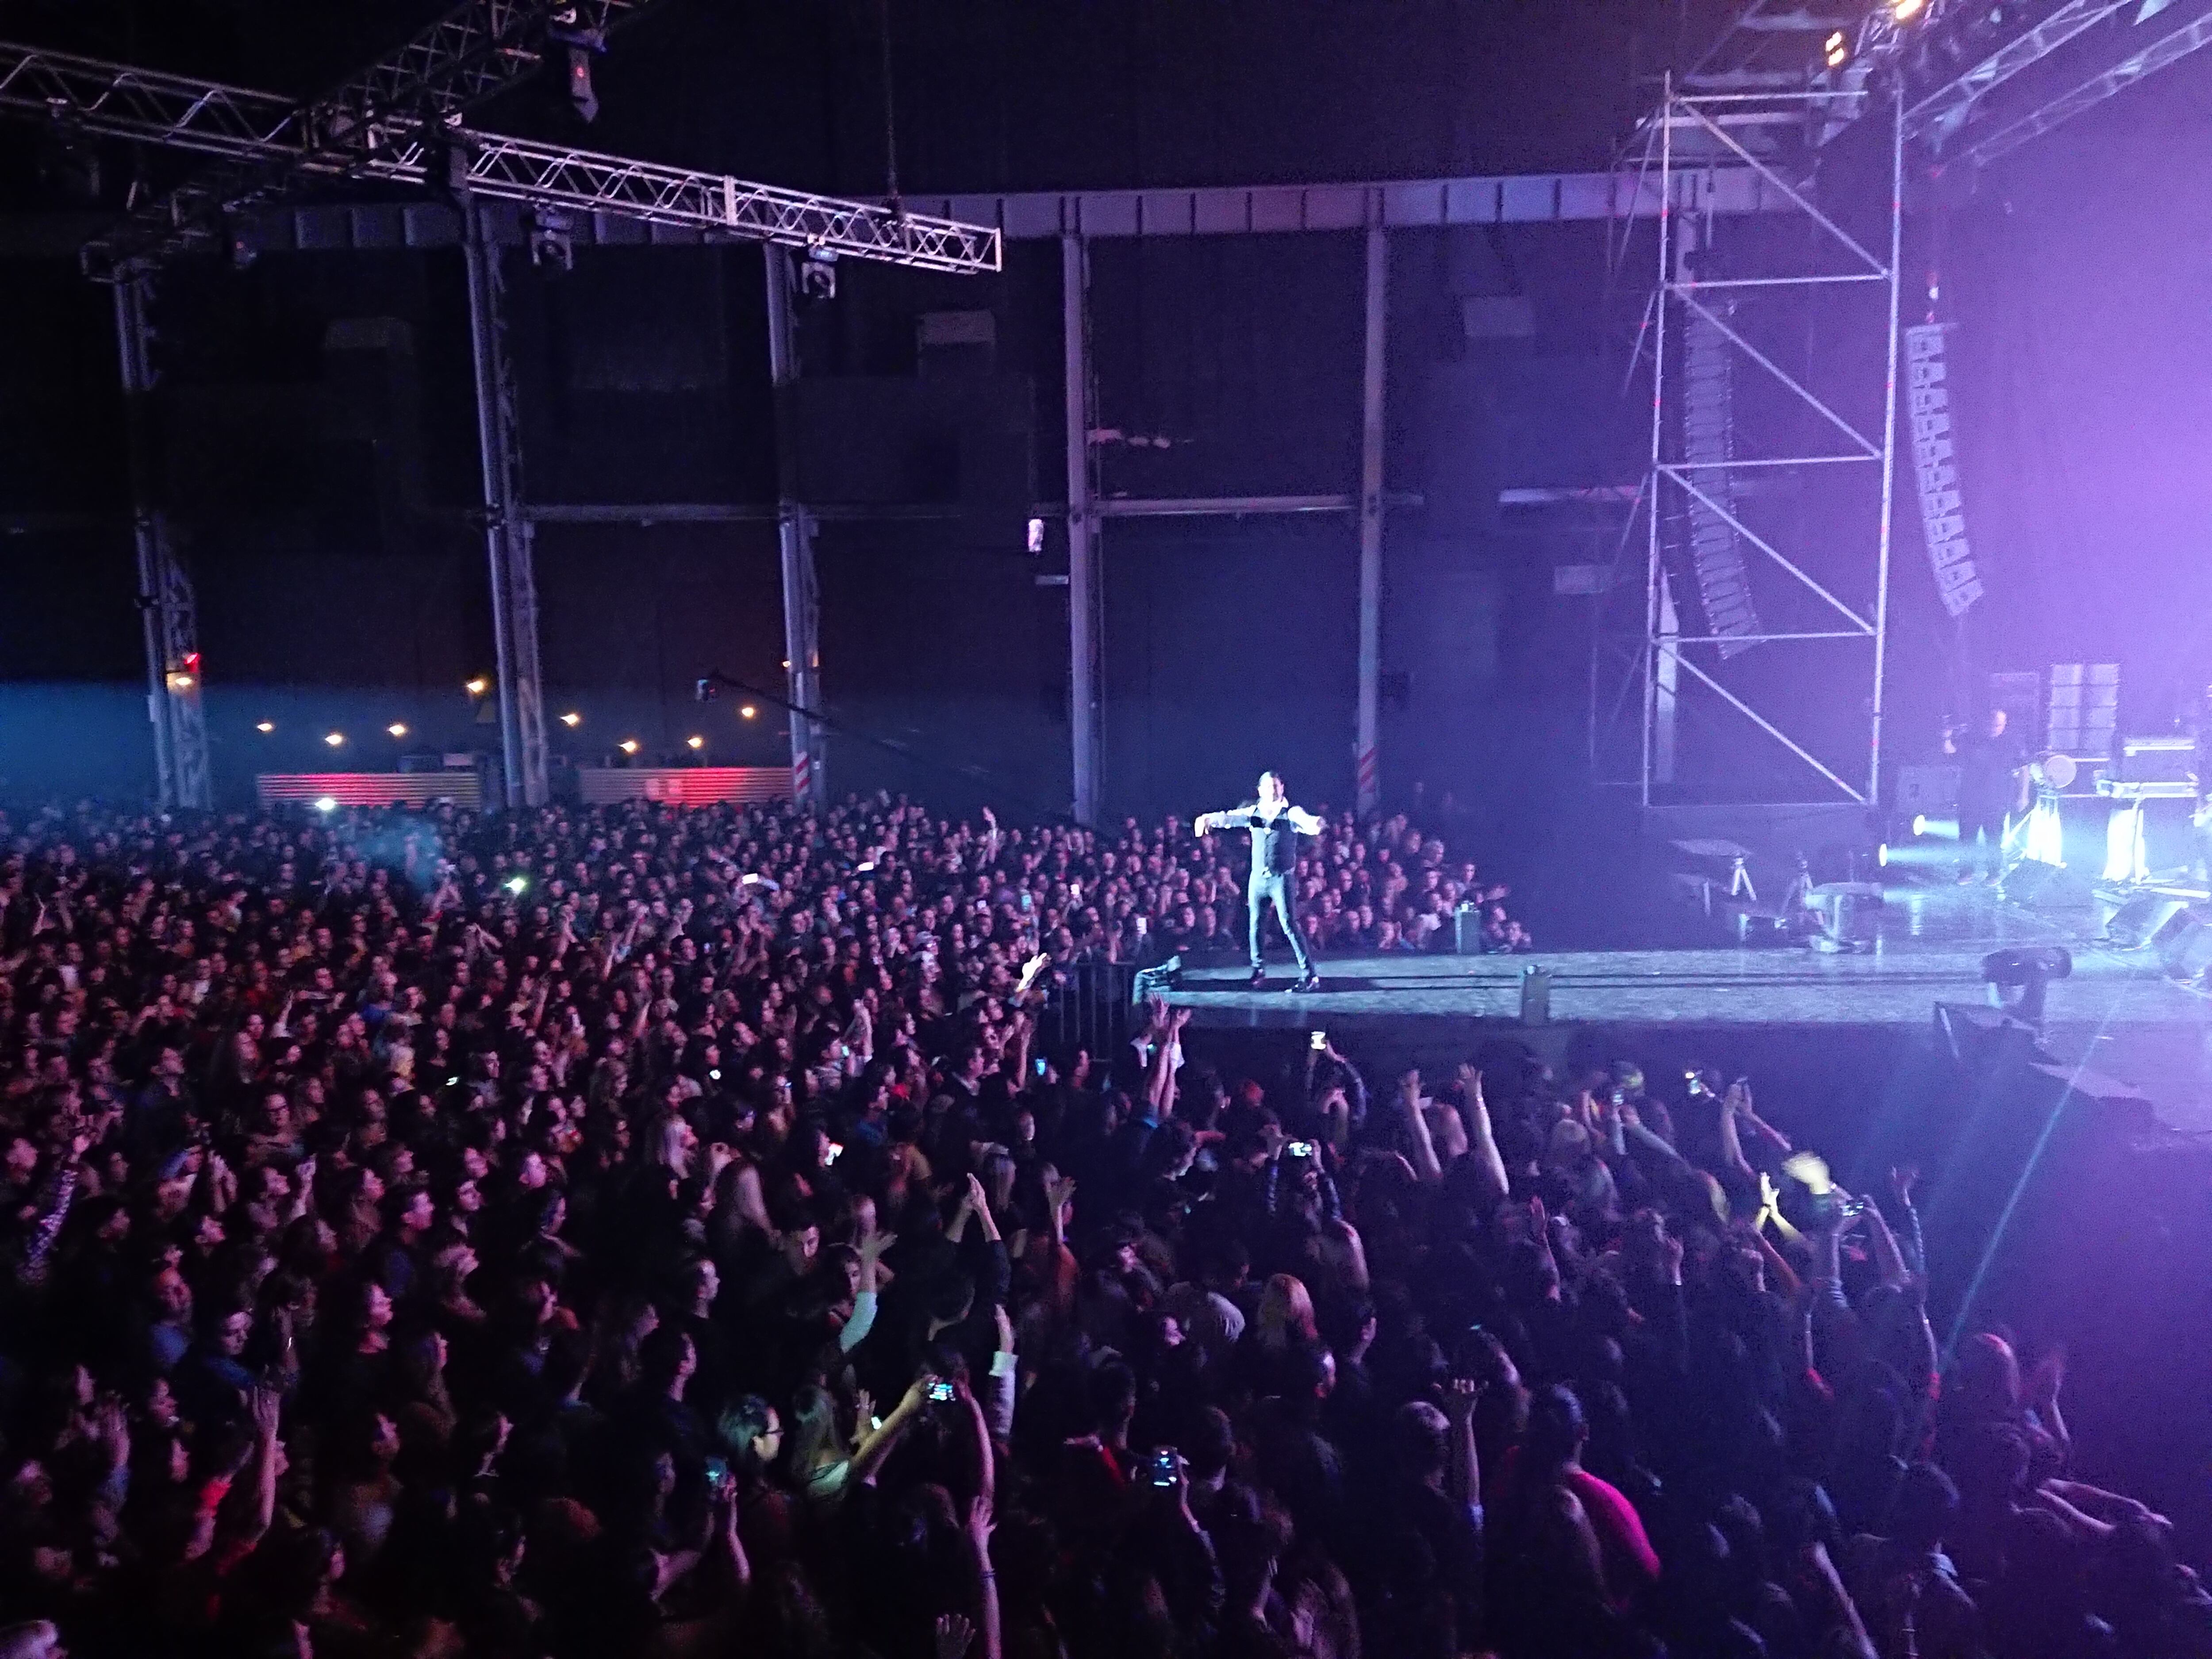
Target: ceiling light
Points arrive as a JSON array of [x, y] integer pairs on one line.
[[334, 739], [694, 743], [477, 687], [572, 718], [628, 745], [747, 712], [397, 729], [264, 726]]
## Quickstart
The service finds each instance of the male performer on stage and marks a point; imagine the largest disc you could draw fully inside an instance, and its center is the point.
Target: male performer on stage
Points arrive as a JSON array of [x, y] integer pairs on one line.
[[1992, 787], [1276, 826]]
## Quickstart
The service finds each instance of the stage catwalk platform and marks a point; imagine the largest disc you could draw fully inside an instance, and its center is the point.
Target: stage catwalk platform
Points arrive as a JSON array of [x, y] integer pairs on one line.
[[2118, 1013]]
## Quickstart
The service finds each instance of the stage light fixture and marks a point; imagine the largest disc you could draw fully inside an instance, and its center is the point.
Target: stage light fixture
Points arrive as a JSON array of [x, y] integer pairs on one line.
[[1882, 855], [326, 803], [1837, 49], [1905, 11], [572, 718], [2026, 973], [705, 688], [1919, 824], [694, 743], [181, 683], [628, 745], [334, 739], [477, 687], [747, 712], [517, 886], [265, 727], [396, 728], [817, 274]]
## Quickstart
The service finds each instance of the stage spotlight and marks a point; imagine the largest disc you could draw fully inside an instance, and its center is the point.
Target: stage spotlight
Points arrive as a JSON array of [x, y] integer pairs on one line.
[[336, 739], [2027, 972], [817, 274], [326, 803], [694, 743], [1905, 10], [628, 745], [706, 689], [265, 727], [517, 886], [550, 241], [477, 687], [1920, 823], [747, 712], [396, 728], [572, 718], [1882, 855], [181, 683], [1837, 49]]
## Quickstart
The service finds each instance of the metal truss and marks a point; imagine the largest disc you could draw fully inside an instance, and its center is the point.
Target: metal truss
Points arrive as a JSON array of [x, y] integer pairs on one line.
[[85, 94], [479, 48], [274, 145], [1681, 489], [2168, 49], [168, 609], [1940, 113], [547, 175]]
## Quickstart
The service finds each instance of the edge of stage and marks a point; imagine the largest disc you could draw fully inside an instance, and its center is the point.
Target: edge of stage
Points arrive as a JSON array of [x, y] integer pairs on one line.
[[2118, 1014]]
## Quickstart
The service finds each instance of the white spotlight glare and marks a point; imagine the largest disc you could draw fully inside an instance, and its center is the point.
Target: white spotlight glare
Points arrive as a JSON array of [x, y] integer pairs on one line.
[[326, 803]]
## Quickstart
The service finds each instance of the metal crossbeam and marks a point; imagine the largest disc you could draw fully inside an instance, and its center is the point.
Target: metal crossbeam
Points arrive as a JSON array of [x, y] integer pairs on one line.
[[517, 170], [1941, 112], [270, 141], [88, 95], [2136, 66], [479, 48]]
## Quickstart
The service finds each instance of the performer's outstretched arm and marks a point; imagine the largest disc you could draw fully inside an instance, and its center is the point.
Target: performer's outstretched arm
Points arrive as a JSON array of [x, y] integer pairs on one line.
[[1236, 817], [1304, 822]]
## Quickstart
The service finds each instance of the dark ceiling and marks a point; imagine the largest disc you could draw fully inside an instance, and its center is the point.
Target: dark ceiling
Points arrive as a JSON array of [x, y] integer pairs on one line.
[[1009, 94]]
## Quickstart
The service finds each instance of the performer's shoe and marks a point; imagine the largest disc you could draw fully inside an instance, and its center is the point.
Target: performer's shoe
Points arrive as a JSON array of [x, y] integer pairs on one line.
[[1259, 978], [1311, 981]]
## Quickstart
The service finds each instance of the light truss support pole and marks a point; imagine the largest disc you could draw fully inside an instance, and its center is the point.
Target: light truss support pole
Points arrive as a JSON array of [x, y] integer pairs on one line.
[[1368, 772], [168, 614], [507, 525], [1888, 449], [1084, 611], [1675, 481], [794, 541]]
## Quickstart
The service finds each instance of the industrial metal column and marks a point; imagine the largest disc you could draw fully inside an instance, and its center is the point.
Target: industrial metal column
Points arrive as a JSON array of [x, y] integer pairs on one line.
[[794, 536], [1367, 769], [167, 609], [1083, 614], [506, 526]]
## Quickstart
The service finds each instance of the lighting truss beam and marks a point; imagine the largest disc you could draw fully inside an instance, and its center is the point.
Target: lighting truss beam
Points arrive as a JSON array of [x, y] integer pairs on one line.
[[115, 99], [479, 48], [517, 170], [1941, 111], [2136, 66], [268, 137]]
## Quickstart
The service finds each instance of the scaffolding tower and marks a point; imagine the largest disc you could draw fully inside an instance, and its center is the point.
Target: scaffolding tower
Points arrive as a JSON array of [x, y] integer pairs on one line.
[[1763, 522]]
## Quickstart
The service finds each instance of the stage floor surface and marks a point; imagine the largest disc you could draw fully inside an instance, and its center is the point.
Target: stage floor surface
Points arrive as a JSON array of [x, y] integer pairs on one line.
[[2118, 1014]]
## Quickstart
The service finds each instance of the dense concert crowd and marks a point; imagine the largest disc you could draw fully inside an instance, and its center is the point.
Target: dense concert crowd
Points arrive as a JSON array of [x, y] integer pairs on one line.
[[636, 1230]]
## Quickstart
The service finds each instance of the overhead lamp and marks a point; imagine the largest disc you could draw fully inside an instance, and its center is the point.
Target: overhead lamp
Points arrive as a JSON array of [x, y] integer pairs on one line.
[[628, 745], [572, 718], [336, 739], [264, 726], [694, 743], [397, 729], [477, 687], [747, 712], [1836, 49]]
